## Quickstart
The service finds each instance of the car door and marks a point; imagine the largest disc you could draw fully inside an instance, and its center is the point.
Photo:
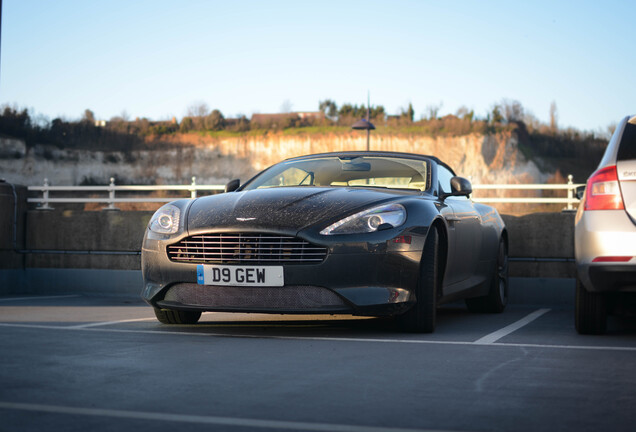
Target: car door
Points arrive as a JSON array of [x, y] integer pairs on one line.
[[464, 232]]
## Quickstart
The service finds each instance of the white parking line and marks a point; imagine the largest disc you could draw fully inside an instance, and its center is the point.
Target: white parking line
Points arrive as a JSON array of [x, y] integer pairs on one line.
[[177, 332], [107, 323], [37, 298], [207, 420], [495, 336]]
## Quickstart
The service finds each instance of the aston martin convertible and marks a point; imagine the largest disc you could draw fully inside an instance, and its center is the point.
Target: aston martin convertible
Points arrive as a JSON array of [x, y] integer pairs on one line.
[[357, 233]]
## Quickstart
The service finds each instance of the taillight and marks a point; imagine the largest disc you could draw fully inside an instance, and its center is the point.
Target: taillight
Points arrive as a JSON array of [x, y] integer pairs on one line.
[[612, 259], [603, 192]]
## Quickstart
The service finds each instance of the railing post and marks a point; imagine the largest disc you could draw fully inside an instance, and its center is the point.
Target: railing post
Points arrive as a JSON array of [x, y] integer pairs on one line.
[[45, 196], [111, 195], [570, 192], [193, 190]]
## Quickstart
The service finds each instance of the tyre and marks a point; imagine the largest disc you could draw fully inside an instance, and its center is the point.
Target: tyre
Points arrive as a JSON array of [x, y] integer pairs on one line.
[[590, 311], [497, 298], [420, 318], [170, 316]]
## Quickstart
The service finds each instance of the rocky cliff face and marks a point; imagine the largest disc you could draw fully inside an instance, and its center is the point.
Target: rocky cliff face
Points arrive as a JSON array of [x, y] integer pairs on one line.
[[484, 159]]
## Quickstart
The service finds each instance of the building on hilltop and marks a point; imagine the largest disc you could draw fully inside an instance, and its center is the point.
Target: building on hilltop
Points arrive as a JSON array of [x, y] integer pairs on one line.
[[283, 120], [315, 115]]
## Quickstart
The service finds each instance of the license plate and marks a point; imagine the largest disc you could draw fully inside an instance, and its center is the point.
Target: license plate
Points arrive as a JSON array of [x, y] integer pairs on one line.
[[240, 275]]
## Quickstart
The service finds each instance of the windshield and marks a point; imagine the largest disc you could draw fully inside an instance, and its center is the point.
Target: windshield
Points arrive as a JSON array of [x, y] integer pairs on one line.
[[334, 171]]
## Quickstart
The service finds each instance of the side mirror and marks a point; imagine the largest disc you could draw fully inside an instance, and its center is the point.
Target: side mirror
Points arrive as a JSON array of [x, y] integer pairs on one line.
[[461, 186], [232, 185]]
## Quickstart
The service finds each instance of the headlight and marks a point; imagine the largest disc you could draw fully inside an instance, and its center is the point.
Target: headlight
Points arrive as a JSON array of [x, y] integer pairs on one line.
[[368, 220], [165, 220]]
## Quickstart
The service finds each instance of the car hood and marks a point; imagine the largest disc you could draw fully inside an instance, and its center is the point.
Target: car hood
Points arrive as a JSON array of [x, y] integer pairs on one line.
[[281, 209]]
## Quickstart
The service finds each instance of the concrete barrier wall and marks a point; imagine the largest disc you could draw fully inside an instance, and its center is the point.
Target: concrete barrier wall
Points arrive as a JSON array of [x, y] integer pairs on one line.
[[85, 239], [541, 244]]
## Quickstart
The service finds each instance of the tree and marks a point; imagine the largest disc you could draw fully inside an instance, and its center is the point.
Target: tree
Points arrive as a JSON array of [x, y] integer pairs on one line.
[[124, 116], [88, 117], [329, 108], [119, 123], [465, 114], [357, 111], [496, 116], [241, 124], [532, 123], [553, 117], [410, 112], [376, 112], [432, 111], [347, 110], [142, 126], [186, 125], [512, 111], [198, 109], [407, 113], [286, 106], [14, 122], [214, 120], [197, 112]]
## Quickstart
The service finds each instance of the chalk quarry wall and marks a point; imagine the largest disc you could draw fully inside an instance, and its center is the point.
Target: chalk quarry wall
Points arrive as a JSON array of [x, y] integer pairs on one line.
[[483, 158]]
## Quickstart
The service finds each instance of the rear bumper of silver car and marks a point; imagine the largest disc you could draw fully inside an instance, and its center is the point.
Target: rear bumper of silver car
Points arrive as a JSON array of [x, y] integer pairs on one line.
[[600, 235]]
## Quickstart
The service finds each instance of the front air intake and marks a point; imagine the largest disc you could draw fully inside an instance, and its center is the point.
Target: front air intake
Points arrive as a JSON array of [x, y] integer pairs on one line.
[[224, 248], [287, 298]]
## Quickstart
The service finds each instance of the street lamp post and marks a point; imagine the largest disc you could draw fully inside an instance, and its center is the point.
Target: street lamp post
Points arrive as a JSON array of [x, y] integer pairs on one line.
[[363, 124]]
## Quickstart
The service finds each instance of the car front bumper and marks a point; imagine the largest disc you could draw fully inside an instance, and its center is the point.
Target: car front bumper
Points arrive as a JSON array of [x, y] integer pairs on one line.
[[359, 279]]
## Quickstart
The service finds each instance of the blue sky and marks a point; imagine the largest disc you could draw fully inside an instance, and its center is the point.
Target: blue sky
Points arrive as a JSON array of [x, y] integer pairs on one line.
[[156, 58]]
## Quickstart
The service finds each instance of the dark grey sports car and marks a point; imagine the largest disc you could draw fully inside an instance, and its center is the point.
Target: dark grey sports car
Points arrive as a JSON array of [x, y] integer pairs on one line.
[[362, 233]]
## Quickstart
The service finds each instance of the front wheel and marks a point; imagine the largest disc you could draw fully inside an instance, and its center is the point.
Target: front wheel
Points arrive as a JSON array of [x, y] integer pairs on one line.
[[590, 311], [497, 298], [171, 316], [420, 318]]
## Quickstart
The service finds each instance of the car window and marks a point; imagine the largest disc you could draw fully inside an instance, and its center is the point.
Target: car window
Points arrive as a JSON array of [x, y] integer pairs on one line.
[[355, 171], [290, 177], [444, 177], [627, 147]]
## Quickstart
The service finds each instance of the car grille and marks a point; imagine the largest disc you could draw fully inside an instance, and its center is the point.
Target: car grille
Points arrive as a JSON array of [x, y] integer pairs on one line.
[[224, 248]]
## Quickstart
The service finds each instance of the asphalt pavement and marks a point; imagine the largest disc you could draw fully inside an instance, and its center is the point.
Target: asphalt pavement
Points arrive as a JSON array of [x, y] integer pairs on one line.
[[94, 363]]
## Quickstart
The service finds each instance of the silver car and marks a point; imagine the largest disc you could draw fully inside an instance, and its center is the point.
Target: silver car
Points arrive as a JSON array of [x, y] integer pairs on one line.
[[605, 233]]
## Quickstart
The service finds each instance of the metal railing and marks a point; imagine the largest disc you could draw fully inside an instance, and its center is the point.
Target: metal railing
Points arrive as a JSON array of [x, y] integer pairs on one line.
[[570, 187], [45, 201]]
